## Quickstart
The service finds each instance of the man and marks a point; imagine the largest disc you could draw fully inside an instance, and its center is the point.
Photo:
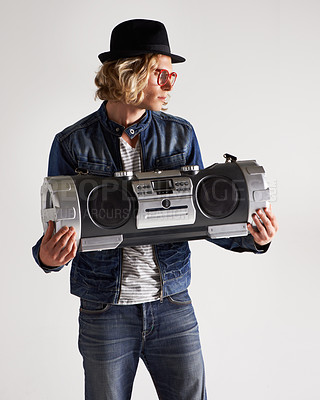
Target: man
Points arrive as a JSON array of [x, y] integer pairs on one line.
[[134, 301]]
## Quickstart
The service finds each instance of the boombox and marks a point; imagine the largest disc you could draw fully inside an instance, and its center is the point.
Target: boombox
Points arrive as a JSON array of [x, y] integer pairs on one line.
[[136, 208]]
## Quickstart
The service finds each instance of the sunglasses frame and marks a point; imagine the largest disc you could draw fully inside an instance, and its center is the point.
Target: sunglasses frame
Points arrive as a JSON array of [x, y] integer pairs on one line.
[[173, 74]]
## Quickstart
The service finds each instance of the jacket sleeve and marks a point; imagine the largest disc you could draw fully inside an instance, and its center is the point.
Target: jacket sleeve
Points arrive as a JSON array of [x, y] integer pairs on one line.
[[241, 244], [194, 153], [60, 160], [60, 163], [237, 244]]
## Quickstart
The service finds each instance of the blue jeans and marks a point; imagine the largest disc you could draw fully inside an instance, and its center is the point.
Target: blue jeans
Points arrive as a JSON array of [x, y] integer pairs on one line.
[[164, 335]]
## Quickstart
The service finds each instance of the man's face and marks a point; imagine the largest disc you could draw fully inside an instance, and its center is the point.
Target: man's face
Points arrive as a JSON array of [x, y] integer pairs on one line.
[[155, 95]]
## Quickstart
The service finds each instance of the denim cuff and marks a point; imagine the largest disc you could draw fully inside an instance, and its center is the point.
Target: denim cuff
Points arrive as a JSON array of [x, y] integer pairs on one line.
[[241, 244], [262, 249]]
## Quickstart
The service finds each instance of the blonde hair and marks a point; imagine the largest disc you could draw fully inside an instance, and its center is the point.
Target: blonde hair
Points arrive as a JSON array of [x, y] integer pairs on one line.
[[124, 80]]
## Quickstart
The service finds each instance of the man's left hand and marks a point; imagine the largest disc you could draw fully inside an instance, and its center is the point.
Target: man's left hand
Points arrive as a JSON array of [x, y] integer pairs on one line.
[[266, 226]]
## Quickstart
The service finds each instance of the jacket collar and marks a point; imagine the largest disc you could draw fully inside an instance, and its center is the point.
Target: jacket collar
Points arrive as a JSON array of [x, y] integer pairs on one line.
[[117, 129]]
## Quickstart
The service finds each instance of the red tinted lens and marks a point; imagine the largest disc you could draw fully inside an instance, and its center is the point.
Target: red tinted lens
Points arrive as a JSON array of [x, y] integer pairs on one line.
[[173, 78], [163, 77]]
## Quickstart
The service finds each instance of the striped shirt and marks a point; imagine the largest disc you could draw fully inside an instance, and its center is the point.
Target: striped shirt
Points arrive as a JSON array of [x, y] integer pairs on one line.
[[140, 282]]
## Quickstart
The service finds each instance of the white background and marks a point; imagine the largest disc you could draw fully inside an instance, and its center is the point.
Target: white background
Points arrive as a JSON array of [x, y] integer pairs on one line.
[[250, 87]]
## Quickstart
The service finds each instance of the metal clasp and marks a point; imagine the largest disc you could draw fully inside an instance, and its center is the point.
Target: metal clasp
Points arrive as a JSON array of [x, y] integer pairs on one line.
[[81, 171]]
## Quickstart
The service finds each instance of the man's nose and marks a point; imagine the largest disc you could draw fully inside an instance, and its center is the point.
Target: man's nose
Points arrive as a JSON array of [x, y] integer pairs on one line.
[[167, 87]]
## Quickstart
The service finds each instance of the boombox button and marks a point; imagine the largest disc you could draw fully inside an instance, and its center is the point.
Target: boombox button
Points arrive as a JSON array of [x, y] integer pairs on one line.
[[166, 203]]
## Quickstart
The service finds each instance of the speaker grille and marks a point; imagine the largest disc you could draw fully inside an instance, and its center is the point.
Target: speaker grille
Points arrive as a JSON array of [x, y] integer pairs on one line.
[[217, 196], [109, 206]]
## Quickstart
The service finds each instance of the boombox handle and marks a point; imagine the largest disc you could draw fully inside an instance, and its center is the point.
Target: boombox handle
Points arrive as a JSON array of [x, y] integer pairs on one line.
[[230, 157]]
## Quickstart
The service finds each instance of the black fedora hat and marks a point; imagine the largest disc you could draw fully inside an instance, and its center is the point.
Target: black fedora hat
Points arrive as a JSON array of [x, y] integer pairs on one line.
[[137, 37]]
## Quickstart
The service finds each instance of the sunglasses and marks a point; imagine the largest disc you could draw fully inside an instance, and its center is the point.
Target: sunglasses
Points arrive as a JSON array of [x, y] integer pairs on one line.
[[164, 77]]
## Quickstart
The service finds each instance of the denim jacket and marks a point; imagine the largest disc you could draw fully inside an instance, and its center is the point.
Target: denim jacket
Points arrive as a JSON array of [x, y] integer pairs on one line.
[[92, 146]]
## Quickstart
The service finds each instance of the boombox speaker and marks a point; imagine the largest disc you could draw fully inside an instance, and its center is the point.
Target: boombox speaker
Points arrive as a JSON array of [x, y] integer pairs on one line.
[[132, 209]]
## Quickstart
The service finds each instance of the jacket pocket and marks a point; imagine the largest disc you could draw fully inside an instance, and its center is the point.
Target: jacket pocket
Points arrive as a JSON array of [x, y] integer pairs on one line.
[[171, 162], [95, 168]]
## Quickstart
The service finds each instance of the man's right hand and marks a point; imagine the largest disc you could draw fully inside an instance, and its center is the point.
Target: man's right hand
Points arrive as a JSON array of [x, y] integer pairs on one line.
[[58, 249]]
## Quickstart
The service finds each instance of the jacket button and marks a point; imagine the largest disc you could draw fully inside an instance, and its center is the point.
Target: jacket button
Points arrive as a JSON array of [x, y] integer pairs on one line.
[[132, 131]]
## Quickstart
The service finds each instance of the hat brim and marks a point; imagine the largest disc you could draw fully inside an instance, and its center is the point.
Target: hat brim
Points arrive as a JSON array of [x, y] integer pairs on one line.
[[112, 56]]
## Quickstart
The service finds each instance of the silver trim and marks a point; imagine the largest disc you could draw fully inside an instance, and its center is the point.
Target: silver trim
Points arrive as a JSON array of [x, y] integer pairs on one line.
[[101, 243], [158, 174], [123, 174], [226, 231], [190, 168], [258, 188], [151, 211], [64, 207]]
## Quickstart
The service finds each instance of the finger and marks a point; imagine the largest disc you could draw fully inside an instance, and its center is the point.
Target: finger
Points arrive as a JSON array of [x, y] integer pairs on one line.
[[269, 213], [64, 246], [64, 251], [61, 234], [252, 230], [57, 242], [48, 234], [74, 250], [69, 247], [262, 230], [266, 222], [272, 217], [72, 253]]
